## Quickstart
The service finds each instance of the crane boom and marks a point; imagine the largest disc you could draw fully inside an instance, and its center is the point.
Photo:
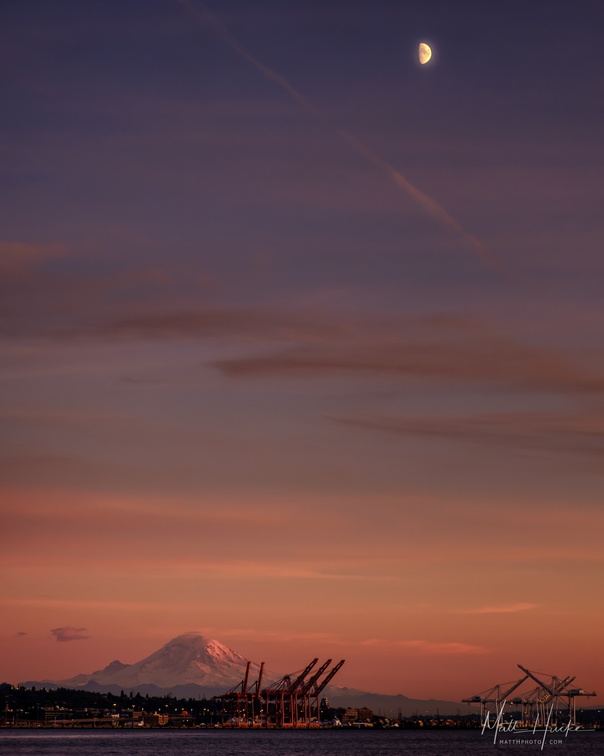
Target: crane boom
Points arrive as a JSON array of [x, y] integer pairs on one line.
[[556, 688], [536, 679], [298, 681], [329, 677], [309, 683], [513, 688]]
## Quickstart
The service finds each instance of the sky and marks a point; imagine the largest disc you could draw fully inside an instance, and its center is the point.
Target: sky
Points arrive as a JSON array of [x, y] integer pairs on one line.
[[301, 339]]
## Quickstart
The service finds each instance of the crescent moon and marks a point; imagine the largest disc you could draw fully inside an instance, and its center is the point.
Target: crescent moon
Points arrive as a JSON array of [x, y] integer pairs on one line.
[[425, 53]]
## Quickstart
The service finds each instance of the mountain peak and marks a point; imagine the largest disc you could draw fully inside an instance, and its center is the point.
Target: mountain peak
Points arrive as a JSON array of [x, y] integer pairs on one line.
[[190, 658], [193, 647]]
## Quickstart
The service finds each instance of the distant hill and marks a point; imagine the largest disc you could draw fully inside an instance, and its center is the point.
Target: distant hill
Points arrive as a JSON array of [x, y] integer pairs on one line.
[[391, 706]]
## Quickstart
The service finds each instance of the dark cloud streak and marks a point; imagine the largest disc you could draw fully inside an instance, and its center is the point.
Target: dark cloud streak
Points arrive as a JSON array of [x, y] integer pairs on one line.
[[478, 357], [298, 343], [69, 633], [554, 432]]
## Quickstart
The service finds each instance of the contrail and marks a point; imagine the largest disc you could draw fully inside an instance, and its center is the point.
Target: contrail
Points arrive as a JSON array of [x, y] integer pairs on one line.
[[207, 18]]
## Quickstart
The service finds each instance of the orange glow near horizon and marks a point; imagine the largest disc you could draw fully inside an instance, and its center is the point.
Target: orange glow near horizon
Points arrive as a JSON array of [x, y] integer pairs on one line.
[[129, 562]]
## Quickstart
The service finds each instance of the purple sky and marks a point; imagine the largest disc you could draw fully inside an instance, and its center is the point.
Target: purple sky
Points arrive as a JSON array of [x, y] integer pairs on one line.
[[302, 341]]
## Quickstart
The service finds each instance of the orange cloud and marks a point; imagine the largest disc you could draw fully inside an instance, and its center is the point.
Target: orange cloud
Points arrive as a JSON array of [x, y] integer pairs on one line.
[[504, 608], [429, 648]]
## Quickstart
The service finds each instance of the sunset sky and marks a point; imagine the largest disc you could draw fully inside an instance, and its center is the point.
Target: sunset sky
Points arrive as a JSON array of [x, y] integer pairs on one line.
[[302, 341]]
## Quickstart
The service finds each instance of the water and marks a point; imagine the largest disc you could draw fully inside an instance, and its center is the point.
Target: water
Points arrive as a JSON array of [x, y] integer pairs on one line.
[[285, 743]]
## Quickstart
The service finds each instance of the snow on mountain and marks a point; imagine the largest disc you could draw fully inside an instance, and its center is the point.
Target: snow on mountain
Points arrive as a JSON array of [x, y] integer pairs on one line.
[[187, 659]]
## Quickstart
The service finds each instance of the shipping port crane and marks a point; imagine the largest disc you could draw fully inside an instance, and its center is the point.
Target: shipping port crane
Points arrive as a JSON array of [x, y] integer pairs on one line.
[[290, 702], [540, 704]]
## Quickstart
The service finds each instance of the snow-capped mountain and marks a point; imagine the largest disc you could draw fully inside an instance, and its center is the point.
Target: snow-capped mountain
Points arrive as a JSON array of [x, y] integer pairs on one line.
[[189, 659]]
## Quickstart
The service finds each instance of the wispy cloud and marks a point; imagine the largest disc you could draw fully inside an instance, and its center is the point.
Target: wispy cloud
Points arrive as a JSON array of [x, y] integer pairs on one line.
[[562, 431], [504, 608], [189, 538], [260, 324], [429, 648], [17, 257], [280, 636], [69, 633], [284, 341], [135, 303], [448, 353]]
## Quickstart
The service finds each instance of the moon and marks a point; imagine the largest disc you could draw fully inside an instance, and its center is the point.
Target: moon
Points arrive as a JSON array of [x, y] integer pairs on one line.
[[424, 52]]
